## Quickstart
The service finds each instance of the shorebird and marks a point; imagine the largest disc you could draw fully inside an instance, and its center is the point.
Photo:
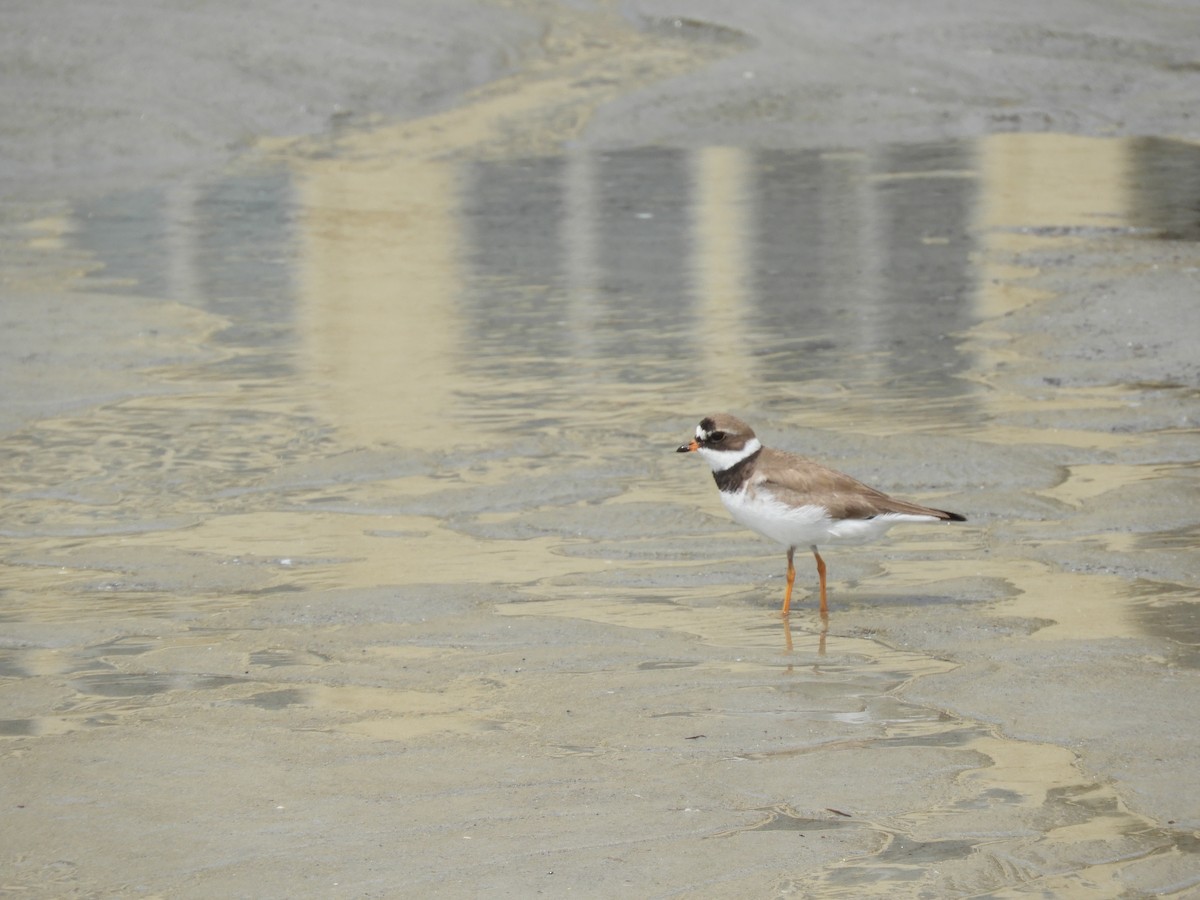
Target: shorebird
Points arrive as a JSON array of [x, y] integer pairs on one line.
[[796, 501]]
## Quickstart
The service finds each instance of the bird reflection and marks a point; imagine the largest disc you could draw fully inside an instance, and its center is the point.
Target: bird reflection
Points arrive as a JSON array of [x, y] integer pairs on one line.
[[788, 645]]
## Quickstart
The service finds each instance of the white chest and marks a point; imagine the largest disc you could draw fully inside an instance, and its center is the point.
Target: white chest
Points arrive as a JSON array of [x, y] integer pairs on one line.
[[809, 525], [793, 526]]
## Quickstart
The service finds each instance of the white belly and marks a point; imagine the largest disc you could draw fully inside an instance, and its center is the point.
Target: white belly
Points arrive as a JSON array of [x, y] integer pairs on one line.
[[807, 526]]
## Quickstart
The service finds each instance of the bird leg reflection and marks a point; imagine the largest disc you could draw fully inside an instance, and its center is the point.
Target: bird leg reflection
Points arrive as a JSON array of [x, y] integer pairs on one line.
[[787, 635]]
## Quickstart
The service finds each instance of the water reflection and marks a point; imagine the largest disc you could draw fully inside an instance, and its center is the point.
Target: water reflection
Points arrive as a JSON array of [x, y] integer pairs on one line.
[[515, 297], [415, 309], [864, 259], [643, 229], [427, 304], [543, 291], [643, 266], [1164, 187], [227, 246]]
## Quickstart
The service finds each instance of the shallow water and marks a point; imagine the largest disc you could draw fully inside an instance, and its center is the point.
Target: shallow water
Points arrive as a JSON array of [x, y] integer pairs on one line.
[[382, 454]]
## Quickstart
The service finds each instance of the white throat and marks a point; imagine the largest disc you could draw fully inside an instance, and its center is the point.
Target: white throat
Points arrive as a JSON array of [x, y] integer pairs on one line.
[[720, 460]]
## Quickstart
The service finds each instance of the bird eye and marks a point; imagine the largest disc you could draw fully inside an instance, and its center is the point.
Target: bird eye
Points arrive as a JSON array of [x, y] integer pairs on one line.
[[716, 437]]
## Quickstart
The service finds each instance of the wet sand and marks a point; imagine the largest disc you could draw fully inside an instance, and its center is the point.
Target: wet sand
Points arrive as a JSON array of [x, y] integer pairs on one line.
[[343, 547]]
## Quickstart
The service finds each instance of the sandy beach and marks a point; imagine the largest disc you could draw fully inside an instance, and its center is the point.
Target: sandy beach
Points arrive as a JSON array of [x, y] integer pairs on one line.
[[345, 348]]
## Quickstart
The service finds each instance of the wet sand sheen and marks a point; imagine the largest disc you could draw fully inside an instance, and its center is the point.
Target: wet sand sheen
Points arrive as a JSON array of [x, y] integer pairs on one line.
[[302, 600], [370, 563]]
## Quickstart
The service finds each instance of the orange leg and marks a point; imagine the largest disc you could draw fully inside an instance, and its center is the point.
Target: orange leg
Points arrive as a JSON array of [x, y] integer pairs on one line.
[[791, 579], [821, 573]]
